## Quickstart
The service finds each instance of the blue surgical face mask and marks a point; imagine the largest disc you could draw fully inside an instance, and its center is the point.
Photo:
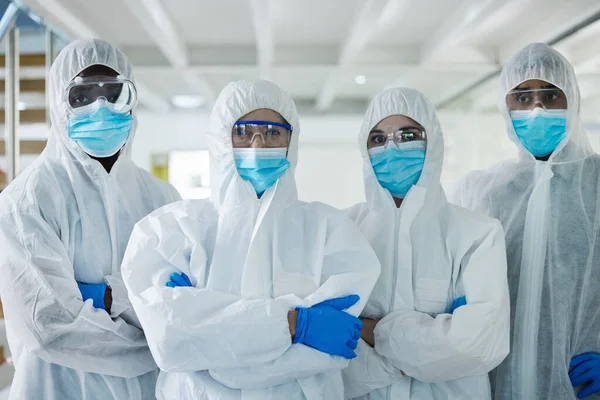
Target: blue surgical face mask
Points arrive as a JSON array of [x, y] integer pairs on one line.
[[102, 133], [261, 167], [540, 131], [398, 168]]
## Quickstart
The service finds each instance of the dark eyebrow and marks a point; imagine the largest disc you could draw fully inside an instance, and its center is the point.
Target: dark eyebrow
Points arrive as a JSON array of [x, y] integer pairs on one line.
[[375, 130]]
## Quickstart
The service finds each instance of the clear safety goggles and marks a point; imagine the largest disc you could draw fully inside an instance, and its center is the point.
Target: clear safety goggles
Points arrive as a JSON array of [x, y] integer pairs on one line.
[[83, 95], [379, 137], [527, 99], [272, 134]]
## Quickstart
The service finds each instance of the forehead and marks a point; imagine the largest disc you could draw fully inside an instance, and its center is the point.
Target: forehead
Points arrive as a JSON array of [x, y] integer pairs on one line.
[[263, 114], [535, 84], [97, 71], [397, 120]]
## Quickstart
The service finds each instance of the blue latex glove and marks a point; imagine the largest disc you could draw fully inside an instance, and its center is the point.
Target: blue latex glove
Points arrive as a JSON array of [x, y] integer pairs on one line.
[[461, 301], [327, 328], [179, 280], [94, 291], [585, 369]]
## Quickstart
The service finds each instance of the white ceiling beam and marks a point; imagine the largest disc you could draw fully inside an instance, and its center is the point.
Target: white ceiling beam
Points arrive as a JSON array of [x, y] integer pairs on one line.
[[55, 11], [161, 29], [263, 30], [69, 22], [365, 25], [584, 53], [455, 91], [287, 55], [554, 18], [459, 26], [158, 25], [212, 58], [367, 70]]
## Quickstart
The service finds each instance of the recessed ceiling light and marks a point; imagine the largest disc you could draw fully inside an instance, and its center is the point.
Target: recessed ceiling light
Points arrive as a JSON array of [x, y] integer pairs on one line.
[[360, 79], [188, 101]]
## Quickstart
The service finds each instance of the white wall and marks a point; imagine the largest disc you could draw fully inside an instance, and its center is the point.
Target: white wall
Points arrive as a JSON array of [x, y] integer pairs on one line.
[[329, 165], [329, 168], [160, 133], [332, 175]]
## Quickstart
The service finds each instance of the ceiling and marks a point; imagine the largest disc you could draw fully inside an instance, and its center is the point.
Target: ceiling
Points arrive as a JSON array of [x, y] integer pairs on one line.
[[332, 56]]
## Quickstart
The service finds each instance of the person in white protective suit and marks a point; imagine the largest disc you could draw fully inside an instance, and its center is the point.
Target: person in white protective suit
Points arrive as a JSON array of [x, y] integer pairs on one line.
[[438, 318], [548, 202], [223, 287], [64, 225]]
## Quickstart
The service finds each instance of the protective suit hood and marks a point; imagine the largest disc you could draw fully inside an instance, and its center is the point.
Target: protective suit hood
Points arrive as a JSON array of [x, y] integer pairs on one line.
[[540, 61], [66, 220], [251, 261], [73, 59], [236, 100], [412, 104], [550, 213], [431, 253]]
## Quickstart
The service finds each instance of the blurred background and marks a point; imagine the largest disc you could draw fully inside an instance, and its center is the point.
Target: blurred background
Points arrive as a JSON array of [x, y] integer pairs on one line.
[[332, 56]]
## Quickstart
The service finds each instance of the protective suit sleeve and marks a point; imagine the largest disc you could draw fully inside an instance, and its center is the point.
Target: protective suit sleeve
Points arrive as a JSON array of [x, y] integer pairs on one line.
[[162, 193], [223, 332], [368, 372], [121, 306], [350, 266], [468, 191], [194, 328], [42, 301], [473, 340], [299, 361]]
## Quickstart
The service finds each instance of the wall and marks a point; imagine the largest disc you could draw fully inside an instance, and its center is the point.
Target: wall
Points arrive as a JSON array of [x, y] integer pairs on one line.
[[330, 166], [328, 152]]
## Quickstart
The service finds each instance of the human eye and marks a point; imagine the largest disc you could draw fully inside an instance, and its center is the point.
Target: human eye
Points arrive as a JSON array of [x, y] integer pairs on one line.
[[377, 139], [274, 131], [240, 131], [523, 98], [78, 100]]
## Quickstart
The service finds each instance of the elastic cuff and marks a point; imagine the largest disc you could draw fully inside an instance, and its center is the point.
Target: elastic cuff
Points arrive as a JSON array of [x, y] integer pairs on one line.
[[99, 298], [301, 325]]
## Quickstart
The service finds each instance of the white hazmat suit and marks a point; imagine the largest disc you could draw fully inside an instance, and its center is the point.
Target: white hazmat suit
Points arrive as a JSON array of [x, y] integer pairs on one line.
[[251, 261], [431, 252], [66, 220], [551, 216]]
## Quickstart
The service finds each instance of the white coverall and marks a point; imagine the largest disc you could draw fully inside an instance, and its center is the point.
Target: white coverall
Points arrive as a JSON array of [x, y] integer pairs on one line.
[[431, 252], [66, 220], [251, 261], [550, 212]]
